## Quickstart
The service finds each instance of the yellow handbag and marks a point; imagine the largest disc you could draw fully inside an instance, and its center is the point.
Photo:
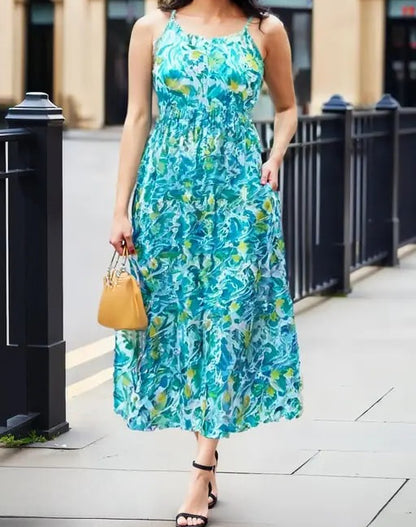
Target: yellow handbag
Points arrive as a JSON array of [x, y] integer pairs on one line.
[[121, 304]]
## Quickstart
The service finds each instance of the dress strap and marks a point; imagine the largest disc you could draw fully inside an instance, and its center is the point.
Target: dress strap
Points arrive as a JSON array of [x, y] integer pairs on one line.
[[249, 19], [165, 29]]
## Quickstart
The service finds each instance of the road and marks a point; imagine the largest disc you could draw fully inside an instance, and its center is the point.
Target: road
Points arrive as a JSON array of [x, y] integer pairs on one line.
[[90, 161]]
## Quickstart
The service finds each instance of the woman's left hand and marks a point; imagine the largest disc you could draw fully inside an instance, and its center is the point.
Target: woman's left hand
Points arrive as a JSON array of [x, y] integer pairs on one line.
[[270, 172]]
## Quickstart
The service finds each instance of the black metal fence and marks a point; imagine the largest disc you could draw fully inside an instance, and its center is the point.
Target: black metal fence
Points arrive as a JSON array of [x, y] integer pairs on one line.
[[348, 187], [32, 349]]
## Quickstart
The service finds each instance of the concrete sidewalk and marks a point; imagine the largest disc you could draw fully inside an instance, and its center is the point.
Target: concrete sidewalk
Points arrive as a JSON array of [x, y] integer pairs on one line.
[[349, 461]]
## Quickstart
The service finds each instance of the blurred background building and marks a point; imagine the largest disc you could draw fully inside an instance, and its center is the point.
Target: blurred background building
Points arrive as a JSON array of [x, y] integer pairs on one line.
[[76, 51]]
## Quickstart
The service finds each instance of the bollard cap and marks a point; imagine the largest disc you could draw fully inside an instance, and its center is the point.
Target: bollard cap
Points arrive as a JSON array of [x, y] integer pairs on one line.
[[387, 102], [35, 106], [336, 103]]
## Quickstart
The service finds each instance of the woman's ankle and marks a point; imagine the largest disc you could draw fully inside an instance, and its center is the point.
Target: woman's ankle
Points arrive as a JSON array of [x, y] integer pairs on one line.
[[202, 475]]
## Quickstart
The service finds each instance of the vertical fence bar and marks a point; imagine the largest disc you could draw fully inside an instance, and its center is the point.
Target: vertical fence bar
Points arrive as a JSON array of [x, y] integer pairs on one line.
[[341, 166], [42, 266], [407, 179], [4, 374], [17, 223], [391, 233]]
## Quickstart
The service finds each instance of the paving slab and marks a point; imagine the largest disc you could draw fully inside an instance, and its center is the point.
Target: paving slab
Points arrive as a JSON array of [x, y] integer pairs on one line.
[[296, 501], [349, 364], [240, 453], [338, 435], [247, 498], [90, 418], [162, 450], [389, 283], [365, 464], [397, 406], [360, 320], [292, 435], [401, 510], [341, 401]]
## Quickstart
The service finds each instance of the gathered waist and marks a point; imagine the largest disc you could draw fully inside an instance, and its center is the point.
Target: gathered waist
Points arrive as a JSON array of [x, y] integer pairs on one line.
[[204, 124], [210, 112]]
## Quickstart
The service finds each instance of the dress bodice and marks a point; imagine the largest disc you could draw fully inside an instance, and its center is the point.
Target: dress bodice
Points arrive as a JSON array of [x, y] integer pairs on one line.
[[196, 76]]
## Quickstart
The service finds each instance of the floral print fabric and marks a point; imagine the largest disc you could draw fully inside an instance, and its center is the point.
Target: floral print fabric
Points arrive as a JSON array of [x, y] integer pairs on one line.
[[220, 354]]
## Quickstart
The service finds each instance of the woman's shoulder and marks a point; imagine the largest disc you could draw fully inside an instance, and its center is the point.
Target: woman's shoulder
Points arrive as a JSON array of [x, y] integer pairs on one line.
[[271, 33], [271, 24], [152, 21], [151, 24]]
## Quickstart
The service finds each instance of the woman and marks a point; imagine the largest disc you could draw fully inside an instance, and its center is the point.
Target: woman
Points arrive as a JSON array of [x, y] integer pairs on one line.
[[220, 354]]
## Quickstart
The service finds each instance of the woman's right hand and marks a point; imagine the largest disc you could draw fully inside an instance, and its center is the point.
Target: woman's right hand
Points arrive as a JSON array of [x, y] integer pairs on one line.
[[121, 234]]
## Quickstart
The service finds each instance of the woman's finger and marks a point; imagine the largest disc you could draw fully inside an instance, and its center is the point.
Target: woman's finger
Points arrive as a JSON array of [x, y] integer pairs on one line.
[[265, 172], [274, 181], [129, 242], [117, 246]]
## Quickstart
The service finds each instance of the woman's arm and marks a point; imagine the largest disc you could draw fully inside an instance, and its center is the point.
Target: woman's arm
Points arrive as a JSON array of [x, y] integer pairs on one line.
[[279, 79], [135, 129]]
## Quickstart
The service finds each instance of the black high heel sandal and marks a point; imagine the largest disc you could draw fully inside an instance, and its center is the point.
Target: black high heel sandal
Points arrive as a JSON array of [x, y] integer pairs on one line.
[[210, 493], [187, 515]]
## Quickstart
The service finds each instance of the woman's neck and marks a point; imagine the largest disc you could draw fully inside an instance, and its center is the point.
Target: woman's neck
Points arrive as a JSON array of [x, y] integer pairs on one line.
[[212, 8]]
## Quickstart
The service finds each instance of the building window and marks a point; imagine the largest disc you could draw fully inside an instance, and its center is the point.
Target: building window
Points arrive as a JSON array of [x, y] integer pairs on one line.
[[121, 16], [39, 72], [401, 8], [296, 16], [400, 70]]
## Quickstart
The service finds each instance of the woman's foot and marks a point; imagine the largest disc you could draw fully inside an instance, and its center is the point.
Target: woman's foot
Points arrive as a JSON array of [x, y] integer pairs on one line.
[[196, 501]]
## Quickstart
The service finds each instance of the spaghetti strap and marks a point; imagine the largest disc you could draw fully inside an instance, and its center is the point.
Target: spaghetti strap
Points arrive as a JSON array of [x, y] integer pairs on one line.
[[249, 19], [165, 29]]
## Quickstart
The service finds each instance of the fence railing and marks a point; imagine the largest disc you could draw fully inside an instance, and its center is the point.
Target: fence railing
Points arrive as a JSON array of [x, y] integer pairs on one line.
[[32, 349], [348, 189]]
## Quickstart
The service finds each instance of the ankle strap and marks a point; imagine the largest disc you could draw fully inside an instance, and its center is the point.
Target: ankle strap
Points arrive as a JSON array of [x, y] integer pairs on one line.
[[202, 467]]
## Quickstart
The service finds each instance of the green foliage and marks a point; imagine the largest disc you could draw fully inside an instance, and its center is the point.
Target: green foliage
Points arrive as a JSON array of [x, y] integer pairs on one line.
[[10, 441]]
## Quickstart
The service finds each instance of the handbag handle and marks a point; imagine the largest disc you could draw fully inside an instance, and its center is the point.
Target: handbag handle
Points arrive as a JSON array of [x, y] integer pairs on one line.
[[124, 255]]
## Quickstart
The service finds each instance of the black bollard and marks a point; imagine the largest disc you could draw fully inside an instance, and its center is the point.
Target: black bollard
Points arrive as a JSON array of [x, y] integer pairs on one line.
[[36, 268]]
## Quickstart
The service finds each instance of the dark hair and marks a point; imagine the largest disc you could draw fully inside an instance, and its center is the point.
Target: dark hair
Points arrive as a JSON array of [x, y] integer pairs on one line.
[[249, 7]]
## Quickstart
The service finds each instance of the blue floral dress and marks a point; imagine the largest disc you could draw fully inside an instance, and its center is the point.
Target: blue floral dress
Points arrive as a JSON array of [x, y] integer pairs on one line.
[[220, 353]]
